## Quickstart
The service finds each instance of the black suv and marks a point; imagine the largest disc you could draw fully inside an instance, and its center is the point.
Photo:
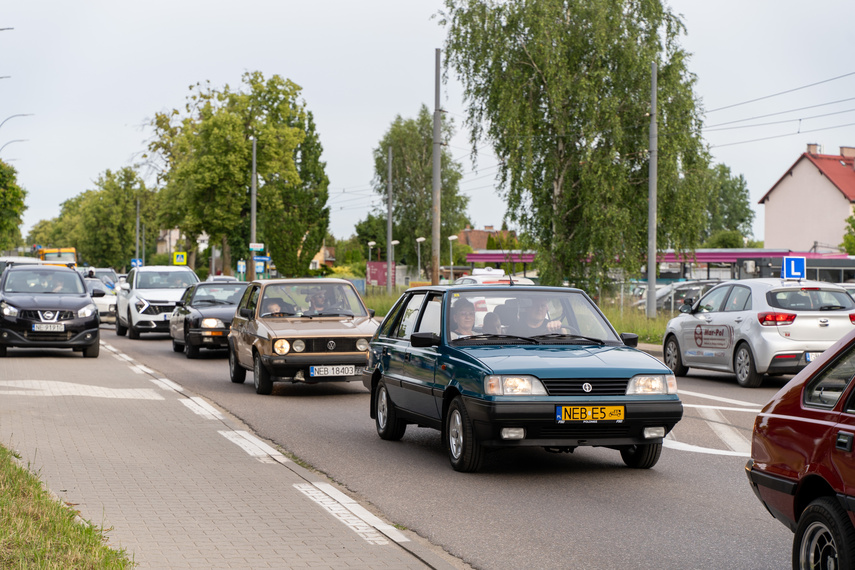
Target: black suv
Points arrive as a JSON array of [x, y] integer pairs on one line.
[[47, 306]]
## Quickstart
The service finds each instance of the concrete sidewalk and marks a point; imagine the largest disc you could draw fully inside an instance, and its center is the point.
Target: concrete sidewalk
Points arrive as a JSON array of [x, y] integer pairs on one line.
[[178, 483]]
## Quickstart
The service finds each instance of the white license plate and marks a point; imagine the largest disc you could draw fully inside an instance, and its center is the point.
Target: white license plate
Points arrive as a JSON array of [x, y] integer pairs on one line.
[[49, 327], [811, 356], [343, 370], [166, 316]]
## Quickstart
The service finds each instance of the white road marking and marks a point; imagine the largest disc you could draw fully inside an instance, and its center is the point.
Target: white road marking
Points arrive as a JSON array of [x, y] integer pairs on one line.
[[727, 433], [254, 446], [679, 445], [723, 408], [201, 408], [342, 513], [166, 384], [362, 512], [54, 388], [718, 398]]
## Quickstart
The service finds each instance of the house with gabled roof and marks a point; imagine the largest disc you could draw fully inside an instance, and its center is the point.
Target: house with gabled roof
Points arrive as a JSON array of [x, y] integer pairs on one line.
[[807, 208]]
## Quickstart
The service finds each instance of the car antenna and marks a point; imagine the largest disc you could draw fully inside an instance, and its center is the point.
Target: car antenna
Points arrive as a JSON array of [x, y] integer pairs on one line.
[[505, 255]]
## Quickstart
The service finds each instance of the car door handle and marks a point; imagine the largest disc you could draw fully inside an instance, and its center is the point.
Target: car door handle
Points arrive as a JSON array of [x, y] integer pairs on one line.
[[843, 441], [738, 319]]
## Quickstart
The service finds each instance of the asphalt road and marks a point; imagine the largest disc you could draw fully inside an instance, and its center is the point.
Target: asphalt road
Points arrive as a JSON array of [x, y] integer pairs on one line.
[[526, 508]]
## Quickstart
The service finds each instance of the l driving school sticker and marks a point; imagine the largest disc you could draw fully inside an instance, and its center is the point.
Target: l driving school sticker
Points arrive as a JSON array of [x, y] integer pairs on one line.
[[712, 336]]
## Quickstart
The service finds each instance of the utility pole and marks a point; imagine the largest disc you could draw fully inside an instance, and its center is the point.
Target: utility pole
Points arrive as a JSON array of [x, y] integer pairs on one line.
[[651, 200], [389, 247], [250, 270], [137, 252], [437, 181]]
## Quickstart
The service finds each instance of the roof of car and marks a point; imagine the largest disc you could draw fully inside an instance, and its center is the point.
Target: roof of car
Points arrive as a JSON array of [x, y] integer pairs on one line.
[[163, 268], [42, 266]]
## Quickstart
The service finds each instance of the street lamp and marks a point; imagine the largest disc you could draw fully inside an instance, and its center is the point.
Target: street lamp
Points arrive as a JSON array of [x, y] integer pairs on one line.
[[370, 245], [13, 116], [419, 241], [10, 142], [451, 258]]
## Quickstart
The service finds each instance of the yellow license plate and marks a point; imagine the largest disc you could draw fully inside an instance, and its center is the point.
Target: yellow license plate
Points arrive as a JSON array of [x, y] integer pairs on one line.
[[588, 413]]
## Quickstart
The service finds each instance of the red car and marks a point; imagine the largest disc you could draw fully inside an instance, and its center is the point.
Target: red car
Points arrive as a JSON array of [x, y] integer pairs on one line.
[[802, 466]]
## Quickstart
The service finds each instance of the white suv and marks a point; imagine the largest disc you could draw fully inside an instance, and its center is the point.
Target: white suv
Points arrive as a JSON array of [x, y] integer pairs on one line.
[[145, 300]]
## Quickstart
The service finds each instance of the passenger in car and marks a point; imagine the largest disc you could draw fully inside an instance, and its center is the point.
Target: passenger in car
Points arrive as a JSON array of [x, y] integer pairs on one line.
[[535, 321], [463, 319], [492, 324]]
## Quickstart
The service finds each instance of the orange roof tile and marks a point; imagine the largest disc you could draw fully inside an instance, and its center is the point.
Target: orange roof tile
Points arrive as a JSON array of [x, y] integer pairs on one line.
[[839, 170]]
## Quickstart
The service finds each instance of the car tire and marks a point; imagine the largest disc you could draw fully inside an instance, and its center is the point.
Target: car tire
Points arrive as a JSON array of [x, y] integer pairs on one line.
[[642, 456], [824, 537], [261, 376], [389, 426], [673, 358], [464, 452], [93, 350], [190, 351], [237, 373], [133, 333], [743, 367], [177, 346], [121, 330]]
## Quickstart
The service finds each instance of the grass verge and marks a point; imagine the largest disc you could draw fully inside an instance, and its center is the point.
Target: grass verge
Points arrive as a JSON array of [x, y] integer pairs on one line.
[[37, 531]]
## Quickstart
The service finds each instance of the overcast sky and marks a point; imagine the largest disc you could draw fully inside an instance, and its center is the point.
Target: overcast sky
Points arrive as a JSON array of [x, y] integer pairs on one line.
[[93, 73]]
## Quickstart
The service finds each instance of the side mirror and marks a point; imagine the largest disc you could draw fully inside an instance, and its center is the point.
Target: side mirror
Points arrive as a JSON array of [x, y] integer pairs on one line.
[[686, 307], [629, 339], [125, 286], [98, 293], [371, 313], [179, 303], [245, 313], [424, 339]]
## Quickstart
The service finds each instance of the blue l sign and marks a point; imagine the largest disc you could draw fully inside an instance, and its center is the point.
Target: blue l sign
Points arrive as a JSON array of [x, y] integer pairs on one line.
[[793, 268]]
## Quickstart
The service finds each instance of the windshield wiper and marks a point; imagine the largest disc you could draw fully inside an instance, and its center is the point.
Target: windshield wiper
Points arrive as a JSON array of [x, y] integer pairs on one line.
[[491, 336], [335, 314], [279, 314], [831, 307], [213, 301], [549, 336]]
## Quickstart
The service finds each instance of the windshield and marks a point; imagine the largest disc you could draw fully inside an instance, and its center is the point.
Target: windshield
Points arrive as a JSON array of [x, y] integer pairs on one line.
[[165, 279], [810, 299], [309, 300], [218, 294], [44, 281], [526, 313], [59, 256]]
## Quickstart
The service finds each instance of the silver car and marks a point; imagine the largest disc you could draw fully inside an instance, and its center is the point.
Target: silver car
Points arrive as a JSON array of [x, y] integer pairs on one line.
[[753, 327]]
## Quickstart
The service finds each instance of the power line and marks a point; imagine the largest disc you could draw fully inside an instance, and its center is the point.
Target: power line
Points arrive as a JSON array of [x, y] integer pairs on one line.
[[797, 119], [784, 135], [782, 92], [780, 113]]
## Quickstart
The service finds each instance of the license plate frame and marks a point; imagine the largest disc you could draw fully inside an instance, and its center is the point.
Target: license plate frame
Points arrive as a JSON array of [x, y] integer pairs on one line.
[[48, 327], [326, 370], [589, 413]]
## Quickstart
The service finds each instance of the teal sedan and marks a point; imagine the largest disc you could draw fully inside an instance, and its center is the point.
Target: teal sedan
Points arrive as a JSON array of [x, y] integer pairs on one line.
[[513, 366]]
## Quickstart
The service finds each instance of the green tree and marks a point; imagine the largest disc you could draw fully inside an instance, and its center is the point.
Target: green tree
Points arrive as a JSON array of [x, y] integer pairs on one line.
[[731, 239], [729, 206], [411, 141], [12, 207], [849, 237], [206, 158], [561, 90]]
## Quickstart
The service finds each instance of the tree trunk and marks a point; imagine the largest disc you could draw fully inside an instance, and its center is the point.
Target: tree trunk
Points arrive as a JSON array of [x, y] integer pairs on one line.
[[227, 258]]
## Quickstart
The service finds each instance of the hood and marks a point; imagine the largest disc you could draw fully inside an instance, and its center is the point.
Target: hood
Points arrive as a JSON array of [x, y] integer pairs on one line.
[[322, 326], [48, 301], [160, 295], [563, 361], [223, 312]]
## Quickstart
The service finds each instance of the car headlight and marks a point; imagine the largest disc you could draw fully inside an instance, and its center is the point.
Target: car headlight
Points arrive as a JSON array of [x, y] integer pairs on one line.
[[513, 385], [211, 323], [87, 311], [141, 305], [281, 346], [9, 310], [652, 384], [298, 345], [362, 345]]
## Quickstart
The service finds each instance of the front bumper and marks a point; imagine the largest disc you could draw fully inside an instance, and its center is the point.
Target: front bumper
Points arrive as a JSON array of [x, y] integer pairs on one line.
[[542, 429], [208, 338], [290, 364], [73, 337]]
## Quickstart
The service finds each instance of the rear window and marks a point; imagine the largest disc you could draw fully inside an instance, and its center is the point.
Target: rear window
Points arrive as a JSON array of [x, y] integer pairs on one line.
[[810, 299]]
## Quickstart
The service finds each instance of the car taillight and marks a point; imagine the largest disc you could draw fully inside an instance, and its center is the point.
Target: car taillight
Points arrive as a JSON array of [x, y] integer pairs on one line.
[[852, 318], [777, 319]]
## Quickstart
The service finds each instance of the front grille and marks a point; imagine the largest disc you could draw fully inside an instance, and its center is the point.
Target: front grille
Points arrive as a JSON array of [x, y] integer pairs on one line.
[[158, 309], [578, 430], [573, 386], [32, 315], [320, 344], [48, 336]]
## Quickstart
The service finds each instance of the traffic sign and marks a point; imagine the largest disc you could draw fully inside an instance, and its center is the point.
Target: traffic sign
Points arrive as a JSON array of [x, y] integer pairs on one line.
[[793, 268], [261, 258], [179, 258], [241, 266], [136, 262], [259, 267], [256, 247]]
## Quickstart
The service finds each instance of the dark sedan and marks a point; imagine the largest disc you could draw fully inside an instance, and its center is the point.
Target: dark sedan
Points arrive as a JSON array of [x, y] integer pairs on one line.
[[511, 366], [802, 466], [47, 306], [203, 316]]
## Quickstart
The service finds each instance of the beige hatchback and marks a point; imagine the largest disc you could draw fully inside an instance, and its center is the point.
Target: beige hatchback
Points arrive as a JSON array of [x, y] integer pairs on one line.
[[299, 330]]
